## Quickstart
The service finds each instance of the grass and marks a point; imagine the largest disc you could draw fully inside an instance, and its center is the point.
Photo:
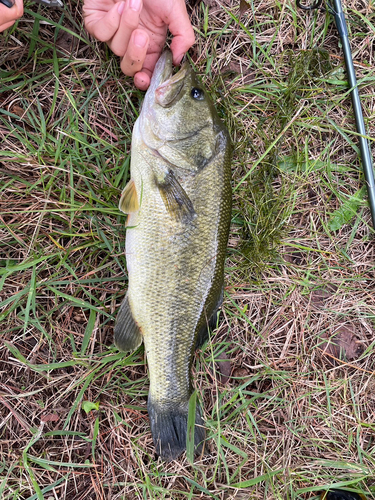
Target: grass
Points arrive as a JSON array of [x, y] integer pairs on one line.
[[285, 420]]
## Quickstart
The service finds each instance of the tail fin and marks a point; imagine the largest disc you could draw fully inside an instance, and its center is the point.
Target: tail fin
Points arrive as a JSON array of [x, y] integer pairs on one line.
[[169, 429]]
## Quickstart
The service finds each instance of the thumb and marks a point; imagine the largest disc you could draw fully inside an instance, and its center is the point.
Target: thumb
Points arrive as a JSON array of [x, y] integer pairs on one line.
[[101, 24], [182, 31], [10, 15]]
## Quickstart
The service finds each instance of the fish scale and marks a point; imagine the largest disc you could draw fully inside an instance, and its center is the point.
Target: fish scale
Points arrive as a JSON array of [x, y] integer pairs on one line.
[[179, 206]]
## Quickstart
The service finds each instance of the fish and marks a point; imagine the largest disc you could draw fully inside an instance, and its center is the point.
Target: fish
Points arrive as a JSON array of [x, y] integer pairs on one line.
[[178, 201]]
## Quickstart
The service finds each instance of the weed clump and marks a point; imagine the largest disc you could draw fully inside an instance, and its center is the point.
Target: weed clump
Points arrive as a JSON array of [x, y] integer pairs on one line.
[[305, 68], [266, 202]]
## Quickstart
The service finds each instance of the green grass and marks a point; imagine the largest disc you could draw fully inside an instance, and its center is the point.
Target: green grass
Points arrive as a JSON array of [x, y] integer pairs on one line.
[[287, 423]]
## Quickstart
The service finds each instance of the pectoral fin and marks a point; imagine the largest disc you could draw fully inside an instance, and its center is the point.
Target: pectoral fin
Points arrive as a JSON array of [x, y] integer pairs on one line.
[[176, 201], [127, 333], [129, 198]]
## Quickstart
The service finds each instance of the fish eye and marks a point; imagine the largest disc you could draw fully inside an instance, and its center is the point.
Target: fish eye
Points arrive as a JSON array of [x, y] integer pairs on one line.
[[197, 93]]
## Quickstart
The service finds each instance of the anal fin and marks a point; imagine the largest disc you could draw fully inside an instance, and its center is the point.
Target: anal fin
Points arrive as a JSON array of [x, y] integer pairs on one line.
[[210, 324], [127, 333]]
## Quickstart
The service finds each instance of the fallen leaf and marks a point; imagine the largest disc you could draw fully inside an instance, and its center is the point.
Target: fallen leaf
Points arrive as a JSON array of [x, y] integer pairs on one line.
[[294, 257], [215, 3], [79, 318], [241, 373], [224, 368], [49, 417], [236, 68], [342, 345], [313, 196], [17, 110], [66, 43], [244, 6], [321, 295]]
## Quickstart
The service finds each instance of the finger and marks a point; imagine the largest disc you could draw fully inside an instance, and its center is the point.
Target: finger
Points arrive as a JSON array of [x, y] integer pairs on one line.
[[8, 16], [6, 25], [180, 26], [129, 22], [134, 57], [19, 5], [142, 80], [103, 25]]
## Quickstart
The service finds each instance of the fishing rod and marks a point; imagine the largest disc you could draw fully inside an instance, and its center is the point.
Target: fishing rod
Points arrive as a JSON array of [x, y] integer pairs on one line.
[[335, 8]]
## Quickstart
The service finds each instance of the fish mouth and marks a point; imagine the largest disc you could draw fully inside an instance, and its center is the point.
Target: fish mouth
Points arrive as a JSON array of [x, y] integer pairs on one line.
[[168, 86], [163, 69]]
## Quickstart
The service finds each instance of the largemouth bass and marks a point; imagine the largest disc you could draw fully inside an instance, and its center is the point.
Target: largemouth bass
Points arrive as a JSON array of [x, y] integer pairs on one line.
[[179, 205]]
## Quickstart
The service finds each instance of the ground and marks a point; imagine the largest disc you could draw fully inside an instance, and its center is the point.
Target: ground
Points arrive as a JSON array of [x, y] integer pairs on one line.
[[287, 380]]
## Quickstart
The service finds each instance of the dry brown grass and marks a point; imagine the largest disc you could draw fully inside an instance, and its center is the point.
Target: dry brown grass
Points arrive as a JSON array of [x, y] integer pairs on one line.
[[290, 420]]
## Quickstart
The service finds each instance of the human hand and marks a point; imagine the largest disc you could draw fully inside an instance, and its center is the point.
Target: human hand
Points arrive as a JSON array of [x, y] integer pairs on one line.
[[136, 31], [8, 15]]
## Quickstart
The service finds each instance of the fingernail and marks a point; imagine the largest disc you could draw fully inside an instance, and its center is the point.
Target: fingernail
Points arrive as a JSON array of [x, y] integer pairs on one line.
[[178, 59], [135, 4], [120, 8], [140, 39]]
